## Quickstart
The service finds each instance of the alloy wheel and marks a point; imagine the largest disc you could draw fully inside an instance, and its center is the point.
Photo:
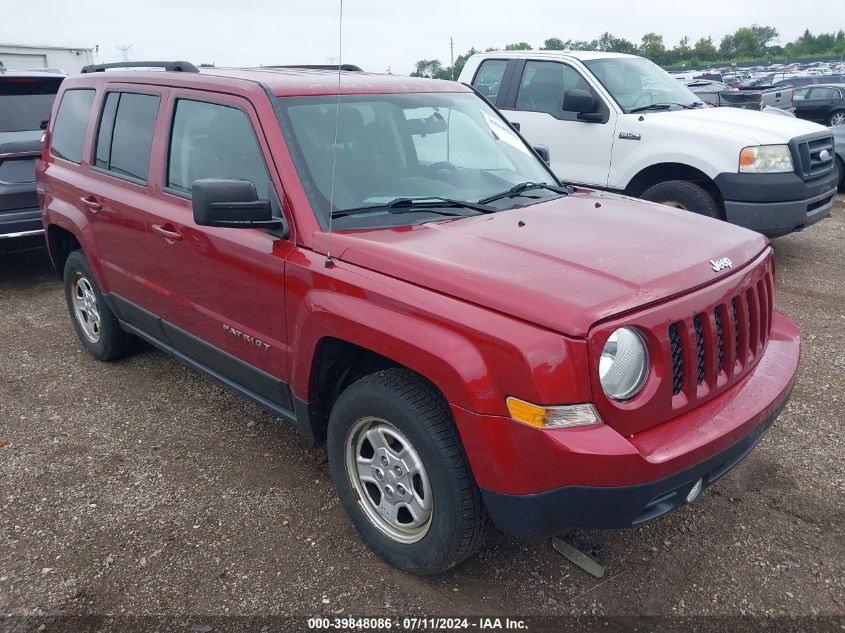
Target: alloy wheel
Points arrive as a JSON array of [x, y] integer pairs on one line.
[[85, 307], [389, 479]]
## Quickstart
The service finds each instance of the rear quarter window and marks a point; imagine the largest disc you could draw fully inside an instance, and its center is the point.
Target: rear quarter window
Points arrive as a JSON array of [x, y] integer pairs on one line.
[[71, 124]]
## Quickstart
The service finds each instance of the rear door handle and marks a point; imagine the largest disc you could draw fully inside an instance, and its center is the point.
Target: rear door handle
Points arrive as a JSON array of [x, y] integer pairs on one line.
[[91, 202], [167, 232]]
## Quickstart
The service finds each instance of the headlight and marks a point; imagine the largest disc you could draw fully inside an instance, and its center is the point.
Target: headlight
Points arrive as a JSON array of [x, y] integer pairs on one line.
[[623, 365], [765, 159]]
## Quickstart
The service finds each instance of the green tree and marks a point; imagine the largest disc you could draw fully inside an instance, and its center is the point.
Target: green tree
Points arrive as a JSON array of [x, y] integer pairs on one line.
[[553, 44], [430, 68], [621, 45], [519, 46], [652, 47], [704, 49], [461, 60]]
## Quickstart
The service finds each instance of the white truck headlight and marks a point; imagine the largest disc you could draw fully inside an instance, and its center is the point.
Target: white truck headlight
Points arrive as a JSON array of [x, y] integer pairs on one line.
[[623, 365], [765, 159]]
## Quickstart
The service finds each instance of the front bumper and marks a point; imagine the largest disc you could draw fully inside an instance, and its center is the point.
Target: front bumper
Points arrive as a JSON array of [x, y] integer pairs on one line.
[[538, 483], [776, 204]]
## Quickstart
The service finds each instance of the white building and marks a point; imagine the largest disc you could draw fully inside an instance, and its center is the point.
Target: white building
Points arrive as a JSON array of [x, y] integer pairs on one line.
[[23, 57]]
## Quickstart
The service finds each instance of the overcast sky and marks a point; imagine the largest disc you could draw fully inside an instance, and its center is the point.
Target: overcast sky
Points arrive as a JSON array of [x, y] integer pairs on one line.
[[378, 34]]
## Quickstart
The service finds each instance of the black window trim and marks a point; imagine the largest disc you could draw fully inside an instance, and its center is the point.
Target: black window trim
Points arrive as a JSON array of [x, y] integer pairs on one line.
[[87, 124], [92, 156], [516, 83], [172, 113]]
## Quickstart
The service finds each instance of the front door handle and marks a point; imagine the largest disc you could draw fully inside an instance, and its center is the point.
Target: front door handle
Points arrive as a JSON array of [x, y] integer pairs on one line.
[[91, 202], [167, 232]]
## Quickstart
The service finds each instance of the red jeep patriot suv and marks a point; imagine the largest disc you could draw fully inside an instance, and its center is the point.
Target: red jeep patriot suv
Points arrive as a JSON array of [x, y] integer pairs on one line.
[[386, 264]]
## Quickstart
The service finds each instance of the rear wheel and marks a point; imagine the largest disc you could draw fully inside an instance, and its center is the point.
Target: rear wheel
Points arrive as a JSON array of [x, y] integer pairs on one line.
[[97, 328], [401, 472], [681, 194], [836, 118]]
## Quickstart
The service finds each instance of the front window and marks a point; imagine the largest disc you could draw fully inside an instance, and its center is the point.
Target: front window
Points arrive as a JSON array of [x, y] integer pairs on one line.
[[639, 85], [393, 146]]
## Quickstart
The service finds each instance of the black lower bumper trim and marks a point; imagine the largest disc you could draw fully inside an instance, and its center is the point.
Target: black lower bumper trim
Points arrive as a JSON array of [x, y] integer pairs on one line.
[[555, 511]]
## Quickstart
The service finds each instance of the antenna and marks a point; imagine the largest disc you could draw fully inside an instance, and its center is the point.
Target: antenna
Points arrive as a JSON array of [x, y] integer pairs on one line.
[[329, 261]]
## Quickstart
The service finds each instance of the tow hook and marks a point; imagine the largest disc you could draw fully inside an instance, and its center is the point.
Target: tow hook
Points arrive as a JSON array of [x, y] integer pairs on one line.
[[587, 558]]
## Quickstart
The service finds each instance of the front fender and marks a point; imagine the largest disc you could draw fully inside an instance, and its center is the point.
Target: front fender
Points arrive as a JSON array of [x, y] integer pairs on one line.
[[476, 357]]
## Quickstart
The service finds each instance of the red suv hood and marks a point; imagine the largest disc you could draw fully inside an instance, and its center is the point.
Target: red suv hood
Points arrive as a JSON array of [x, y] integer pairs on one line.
[[564, 264]]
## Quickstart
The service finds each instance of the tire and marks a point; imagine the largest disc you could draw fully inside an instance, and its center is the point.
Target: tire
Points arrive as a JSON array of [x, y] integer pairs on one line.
[[407, 416], [840, 165], [683, 195], [97, 328], [836, 118]]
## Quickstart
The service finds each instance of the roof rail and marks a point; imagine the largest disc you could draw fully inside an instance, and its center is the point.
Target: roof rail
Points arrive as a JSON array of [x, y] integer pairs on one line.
[[349, 67], [179, 67]]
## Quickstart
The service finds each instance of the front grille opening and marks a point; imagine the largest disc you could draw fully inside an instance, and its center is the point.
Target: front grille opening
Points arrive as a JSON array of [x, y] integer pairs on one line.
[[677, 359], [720, 336], [699, 346], [819, 203], [735, 318], [753, 321]]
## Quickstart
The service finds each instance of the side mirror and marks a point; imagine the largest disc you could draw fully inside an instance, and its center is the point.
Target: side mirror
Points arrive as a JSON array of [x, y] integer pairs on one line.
[[515, 125], [581, 102], [543, 152], [231, 203]]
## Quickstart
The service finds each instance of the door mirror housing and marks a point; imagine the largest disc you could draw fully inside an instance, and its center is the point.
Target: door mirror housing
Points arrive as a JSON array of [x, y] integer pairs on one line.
[[231, 203], [582, 103], [543, 152]]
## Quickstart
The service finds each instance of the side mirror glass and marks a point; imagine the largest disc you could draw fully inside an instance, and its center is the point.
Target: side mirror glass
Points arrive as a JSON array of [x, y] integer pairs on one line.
[[232, 204]]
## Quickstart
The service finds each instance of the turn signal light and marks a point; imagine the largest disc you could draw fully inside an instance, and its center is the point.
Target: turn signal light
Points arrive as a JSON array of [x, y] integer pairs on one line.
[[552, 417]]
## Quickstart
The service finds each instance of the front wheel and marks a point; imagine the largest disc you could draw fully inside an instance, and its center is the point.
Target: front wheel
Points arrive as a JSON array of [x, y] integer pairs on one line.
[[401, 472], [681, 194]]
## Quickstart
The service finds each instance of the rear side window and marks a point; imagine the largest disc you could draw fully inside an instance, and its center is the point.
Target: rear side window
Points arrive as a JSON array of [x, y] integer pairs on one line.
[[488, 79], [125, 136], [26, 101], [71, 124], [824, 93], [213, 141]]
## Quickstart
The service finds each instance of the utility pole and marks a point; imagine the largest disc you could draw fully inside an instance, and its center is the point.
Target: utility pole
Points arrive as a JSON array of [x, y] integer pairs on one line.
[[124, 52], [452, 67]]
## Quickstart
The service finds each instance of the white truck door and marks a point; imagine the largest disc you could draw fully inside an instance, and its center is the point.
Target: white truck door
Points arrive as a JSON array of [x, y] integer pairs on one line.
[[580, 150]]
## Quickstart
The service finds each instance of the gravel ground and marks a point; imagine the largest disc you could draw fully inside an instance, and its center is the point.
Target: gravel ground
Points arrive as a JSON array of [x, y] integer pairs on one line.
[[141, 487]]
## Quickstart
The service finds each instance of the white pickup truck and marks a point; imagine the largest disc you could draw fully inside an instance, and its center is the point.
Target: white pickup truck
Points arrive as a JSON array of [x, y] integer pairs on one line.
[[619, 122]]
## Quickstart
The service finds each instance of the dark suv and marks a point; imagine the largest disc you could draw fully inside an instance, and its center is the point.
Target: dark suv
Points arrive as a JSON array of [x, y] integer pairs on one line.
[[389, 266], [26, 98]]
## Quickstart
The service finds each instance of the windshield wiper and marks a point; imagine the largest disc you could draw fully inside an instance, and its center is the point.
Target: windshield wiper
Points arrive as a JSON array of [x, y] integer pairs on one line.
[[666, 106], [406, 205], [522, 187]]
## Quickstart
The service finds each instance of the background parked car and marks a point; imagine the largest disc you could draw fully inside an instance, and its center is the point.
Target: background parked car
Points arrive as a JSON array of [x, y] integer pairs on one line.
[[823, 103], [619, 122], [26, 98], [839, 139], [719, 94]]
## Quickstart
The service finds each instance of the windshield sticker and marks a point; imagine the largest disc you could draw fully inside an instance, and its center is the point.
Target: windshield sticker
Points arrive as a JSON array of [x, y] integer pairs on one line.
[[504, 133]]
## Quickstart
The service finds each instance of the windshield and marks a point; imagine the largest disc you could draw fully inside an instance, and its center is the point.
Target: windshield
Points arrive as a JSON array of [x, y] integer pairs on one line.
[[26, 101], [636, 83], [446, 146]]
